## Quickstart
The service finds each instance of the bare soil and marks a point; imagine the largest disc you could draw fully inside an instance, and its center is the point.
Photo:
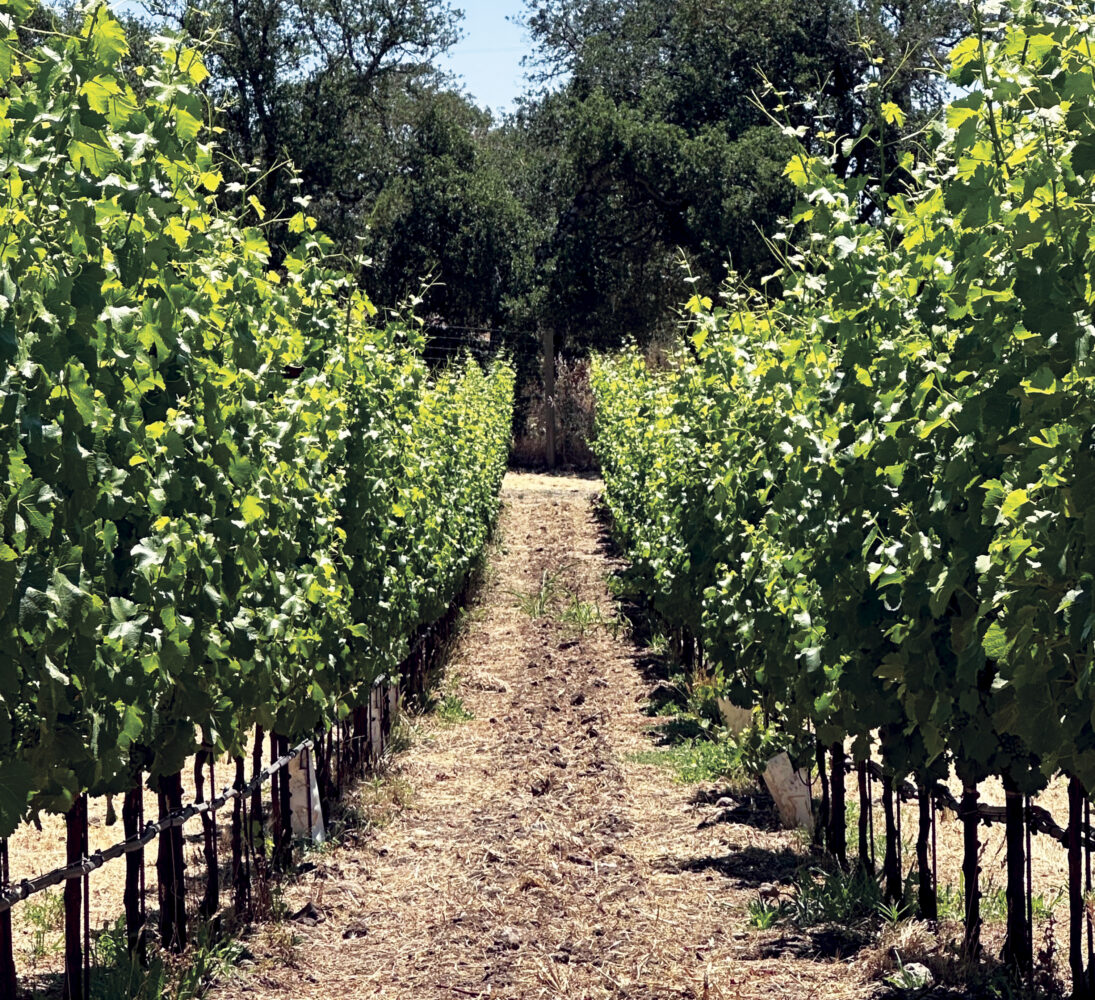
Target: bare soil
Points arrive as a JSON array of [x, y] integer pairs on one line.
[[530, 855]]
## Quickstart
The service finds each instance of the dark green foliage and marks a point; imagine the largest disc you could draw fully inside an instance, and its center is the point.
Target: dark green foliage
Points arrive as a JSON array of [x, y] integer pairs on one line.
[[660, 140]]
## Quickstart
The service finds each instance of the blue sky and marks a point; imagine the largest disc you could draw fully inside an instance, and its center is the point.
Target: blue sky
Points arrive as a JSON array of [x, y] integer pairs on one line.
[[488, 57]]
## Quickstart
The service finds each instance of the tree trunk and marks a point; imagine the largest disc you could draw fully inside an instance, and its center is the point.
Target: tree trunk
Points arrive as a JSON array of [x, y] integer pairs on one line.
[[277, 849], [255, 836], [211, 900], [7, 940], [864, 819], [1076, 901], [1017, 947], [285, 809], [549, 397], [361, 737], [821, 830], [239, 870]]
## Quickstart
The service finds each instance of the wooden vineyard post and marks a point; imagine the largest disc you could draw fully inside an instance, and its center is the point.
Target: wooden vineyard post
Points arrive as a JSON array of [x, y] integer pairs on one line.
[[339, 754], [865, 807], [971, 820], [132, 896], [320, 762], [170, 868], [1017, 947], [211, 899], [76, 851], [891, 865], [1076, 901], [7, 940], [239, 871], [254, 832], [285, 810], [926, 895], [359, 754], [276, 848], [822, 828], [376, 725], [549, 396], [386, 711], [328, 780], [838, 821]]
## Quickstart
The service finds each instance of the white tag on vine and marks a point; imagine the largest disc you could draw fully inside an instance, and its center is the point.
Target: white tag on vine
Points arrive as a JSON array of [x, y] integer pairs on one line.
[[304, 799], [791, 791]]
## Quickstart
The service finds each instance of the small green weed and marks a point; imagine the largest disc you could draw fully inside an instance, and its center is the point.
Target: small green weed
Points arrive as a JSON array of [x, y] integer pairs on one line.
[[994, 903], [824, 896], [539, 603], [582, 616], [117, 974], [764, 914], [44, 916], [894, 913], [1042, 907], [451, 709], [696, 760], [658, 644]]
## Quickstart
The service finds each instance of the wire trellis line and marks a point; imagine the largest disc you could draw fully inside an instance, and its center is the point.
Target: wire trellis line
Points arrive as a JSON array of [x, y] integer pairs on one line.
[[28, 887], [1041, 820]]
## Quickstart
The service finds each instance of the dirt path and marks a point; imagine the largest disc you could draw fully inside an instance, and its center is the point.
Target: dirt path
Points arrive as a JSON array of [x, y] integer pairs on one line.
[[533, 857]]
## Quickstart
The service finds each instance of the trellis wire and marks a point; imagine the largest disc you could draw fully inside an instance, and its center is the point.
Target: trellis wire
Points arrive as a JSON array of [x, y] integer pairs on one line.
[[10, 894], [1041, 821], [92, 862]]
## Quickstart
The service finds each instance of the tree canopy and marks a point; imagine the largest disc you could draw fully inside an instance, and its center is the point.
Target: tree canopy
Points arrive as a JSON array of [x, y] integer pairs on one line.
[[649, 147], [668, 127]]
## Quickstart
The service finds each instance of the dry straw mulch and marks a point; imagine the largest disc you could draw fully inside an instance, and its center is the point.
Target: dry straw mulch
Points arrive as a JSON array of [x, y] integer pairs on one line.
[[531, 857]]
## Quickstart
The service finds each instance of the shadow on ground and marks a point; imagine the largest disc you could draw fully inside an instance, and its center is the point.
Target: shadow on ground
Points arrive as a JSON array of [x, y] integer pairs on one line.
[[748, 868]]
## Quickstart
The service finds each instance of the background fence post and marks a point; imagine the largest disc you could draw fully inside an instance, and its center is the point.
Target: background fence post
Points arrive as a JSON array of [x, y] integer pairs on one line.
[[549, 396]]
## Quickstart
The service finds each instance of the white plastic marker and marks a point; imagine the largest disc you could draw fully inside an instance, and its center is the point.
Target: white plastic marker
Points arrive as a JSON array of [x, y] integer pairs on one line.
[[304, 799], [791, 790]]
